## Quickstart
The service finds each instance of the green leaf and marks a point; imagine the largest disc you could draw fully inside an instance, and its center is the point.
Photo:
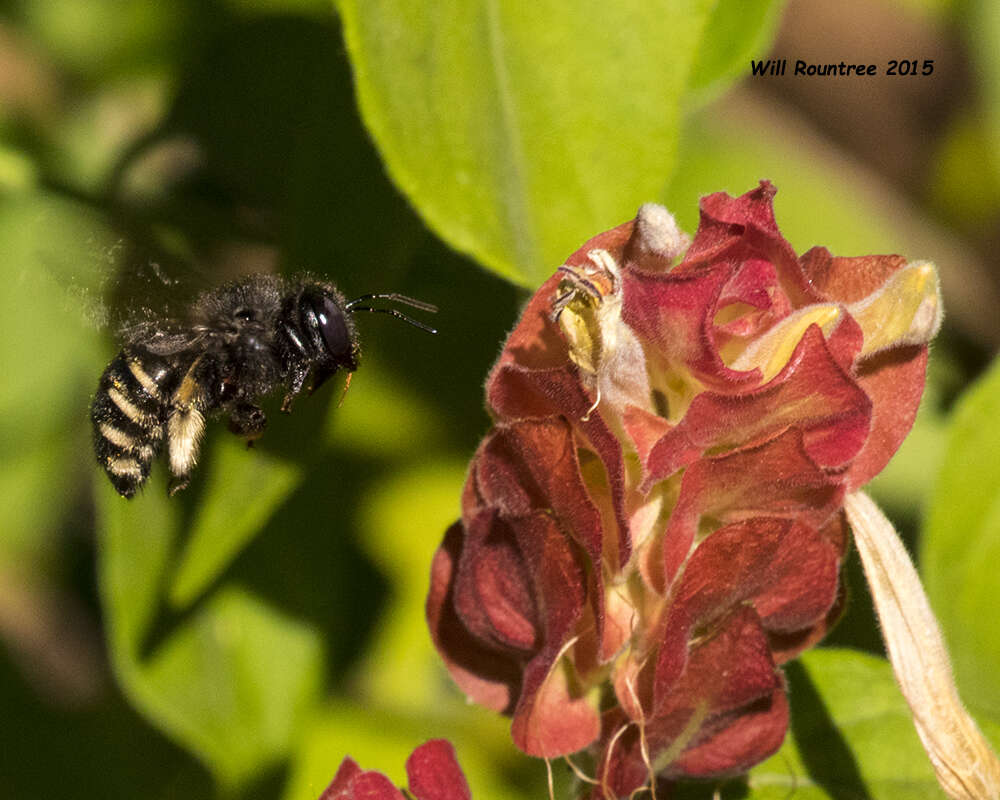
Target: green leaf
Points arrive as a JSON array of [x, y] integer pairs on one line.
[[53, 254], [402, 668], [240, 493], [737, 32], [961, 544], [236, 684], [137, 537], [984, 35], [518, 131], [376, 409], [382, 740], [851, 735], [233, 682], [105, 36]]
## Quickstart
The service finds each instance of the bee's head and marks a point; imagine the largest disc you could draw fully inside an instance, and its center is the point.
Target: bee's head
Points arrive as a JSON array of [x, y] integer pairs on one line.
[[324, 312]]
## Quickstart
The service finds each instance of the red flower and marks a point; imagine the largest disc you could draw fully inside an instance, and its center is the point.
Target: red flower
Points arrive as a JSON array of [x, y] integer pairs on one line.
[[432, 771], [654, 524]]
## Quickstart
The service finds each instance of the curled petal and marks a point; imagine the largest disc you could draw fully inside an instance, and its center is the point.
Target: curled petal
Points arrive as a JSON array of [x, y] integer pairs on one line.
[[894, 380], [741, 228], [674, 311], [533, 466], [489, 676], [730, 674], [518, 393], [554, 718], [811, 393], [785, 570], [776, 478]]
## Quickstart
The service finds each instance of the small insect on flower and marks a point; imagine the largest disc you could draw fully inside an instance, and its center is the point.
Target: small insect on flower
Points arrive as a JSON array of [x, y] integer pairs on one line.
[[239, 342]]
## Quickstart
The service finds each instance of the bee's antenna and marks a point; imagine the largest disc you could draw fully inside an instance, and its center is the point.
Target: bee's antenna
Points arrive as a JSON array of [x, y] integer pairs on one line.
[[353, 307], [398, 315], [399, 298]]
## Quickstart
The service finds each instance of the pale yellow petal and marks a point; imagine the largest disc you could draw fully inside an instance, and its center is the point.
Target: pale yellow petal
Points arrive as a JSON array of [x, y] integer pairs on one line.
[[905, 310], [771, 351]]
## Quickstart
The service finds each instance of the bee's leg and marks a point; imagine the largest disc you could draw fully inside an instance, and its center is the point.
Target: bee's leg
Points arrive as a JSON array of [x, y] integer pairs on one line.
[[185, 426], [321, 374], [248, 421], [295, 383]]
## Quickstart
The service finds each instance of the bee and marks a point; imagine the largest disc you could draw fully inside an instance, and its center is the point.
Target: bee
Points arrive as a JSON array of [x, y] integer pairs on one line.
[[239, 342]]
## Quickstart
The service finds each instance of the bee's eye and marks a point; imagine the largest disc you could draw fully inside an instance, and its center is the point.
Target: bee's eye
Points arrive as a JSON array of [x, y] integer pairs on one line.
[[333, 327]]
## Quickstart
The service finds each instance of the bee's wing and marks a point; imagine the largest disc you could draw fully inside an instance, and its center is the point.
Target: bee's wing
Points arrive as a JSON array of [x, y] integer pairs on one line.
[[145, 297], [165, 342]]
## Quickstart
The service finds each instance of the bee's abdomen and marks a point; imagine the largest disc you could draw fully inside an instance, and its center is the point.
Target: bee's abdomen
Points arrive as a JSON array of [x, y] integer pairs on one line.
[[129, 415]]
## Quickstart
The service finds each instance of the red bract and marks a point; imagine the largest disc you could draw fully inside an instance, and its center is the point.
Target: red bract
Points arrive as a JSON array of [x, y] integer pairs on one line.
[[654, 524], [432, 771]]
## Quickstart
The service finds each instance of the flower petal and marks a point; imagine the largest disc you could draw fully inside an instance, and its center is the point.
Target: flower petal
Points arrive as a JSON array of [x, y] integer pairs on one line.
[[774, 479], [434, 774], [353, 783], [730, 675], [489, 676], [812, 393]]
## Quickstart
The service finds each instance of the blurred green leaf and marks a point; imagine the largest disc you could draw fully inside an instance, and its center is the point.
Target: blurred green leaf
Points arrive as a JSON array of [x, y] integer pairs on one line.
[[381, 417], [382, 740], [91, 136], [732, 148], [241, 491], [736, 32], [983, 30], [234, 681], [518, 132], [237, 683], [402, 668], [53, 254], [103, 36], [318, 8], [375, 740], [408, 697], [961, 544], [17, 171], [135, 549], [851, 735], [961, 190]]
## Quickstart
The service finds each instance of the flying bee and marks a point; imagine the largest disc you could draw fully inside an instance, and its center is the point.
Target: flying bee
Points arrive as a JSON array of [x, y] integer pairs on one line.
[[240, 341]]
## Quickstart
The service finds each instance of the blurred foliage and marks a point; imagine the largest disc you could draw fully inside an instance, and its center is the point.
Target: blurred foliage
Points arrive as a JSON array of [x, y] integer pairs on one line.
[[238, 640], [961, 540], [496, 120]]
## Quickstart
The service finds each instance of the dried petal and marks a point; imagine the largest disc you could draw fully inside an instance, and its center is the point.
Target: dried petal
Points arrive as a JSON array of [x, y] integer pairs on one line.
[[965, 764]]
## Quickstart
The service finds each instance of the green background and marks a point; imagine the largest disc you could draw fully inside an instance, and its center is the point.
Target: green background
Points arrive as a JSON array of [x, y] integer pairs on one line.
[[238, 640]]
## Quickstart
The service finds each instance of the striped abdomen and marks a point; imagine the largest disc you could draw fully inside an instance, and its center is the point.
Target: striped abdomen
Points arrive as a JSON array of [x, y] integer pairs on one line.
[[129, 415]]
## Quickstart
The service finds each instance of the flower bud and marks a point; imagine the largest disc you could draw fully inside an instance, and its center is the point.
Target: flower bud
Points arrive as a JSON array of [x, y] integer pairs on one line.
[[432, 772], [655, 522]]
